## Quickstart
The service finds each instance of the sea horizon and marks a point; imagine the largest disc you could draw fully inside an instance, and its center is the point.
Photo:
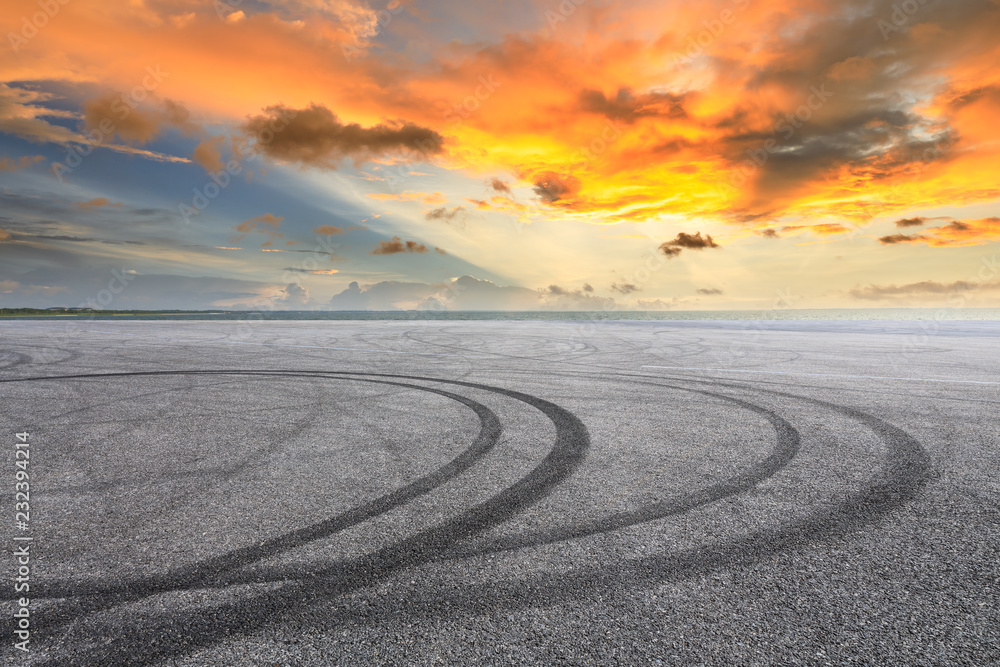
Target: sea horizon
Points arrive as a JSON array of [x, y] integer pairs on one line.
[[845, 314]]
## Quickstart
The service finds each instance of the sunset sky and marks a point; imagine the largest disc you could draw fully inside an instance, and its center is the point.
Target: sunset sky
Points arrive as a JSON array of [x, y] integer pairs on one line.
[[516, 154]]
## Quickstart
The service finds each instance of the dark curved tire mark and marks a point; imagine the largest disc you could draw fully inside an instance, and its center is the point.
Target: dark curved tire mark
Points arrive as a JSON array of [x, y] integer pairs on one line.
[[192, 575], [18, 359], [905, 471], [569, 449], [786, 448]]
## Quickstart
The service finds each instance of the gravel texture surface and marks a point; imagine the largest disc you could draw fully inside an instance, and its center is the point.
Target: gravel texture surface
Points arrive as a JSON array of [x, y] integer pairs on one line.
[[444, 492]]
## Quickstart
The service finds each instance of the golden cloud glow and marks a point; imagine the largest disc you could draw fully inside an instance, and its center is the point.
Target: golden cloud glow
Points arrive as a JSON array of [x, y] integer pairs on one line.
[[725, 110]]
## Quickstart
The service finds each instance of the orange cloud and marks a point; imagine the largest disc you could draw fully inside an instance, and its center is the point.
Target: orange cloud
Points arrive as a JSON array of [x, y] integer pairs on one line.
[[721, 109], [328, 230], [9, 164], [266, 224], [331, 230], [397, 245], [432, 198], [97, 202], [208, 155], [822, 229], [317, 272], [955, 233]]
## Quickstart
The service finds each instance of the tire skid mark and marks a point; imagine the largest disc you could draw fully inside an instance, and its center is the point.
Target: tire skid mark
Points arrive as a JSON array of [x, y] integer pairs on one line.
[[15, 359], [785, 450], [905, 470], [190, 576], [569, 449]]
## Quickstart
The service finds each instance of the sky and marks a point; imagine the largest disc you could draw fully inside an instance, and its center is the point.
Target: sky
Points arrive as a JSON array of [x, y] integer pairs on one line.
[[514, 154]]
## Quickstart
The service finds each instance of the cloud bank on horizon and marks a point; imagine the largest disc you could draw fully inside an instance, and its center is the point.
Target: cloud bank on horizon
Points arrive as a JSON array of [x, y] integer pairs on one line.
[[573, 155]]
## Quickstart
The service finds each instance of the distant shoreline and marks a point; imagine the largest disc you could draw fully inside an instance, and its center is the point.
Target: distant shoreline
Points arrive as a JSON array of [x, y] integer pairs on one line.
[[828, 314]]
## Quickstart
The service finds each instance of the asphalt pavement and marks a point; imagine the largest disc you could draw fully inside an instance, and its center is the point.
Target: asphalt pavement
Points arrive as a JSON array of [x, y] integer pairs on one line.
[[460, 492]]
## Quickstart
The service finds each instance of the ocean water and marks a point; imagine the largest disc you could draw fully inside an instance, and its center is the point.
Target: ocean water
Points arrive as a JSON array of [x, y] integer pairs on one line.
[[832, 314]]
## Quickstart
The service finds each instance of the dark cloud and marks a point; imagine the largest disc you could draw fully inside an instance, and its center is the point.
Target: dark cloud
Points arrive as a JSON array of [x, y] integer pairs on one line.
[[77, 239], [562, 298], [499, 186], [693, 241], [628, 107], [397, 245], [770, 234], [710, 291], [445, 214], [893, 239], [958, 226], [329, 253], [669, 251], [625, 288], [923, 288], [556, 297], [866, 124], [116, 113], [315, 137], [465, 293], [910, 222], [551, 187], [689, 242]]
